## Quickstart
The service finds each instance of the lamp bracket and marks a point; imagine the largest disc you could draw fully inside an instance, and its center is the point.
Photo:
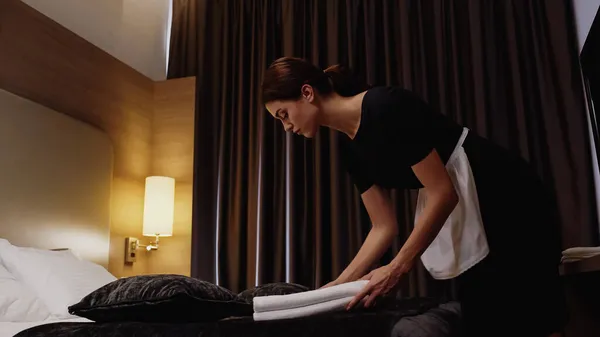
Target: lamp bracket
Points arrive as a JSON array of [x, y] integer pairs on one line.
[[133, 244], [152, 246]]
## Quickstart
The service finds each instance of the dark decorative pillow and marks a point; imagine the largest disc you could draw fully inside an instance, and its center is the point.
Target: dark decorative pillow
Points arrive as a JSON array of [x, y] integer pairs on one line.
[[280, 288], [160, 298]]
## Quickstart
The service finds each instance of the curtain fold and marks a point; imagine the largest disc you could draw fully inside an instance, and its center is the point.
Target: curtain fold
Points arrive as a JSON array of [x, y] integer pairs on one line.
[[273, 207]]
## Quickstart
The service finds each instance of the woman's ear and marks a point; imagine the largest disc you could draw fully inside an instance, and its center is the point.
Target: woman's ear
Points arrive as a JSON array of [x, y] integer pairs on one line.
[[308, 93]]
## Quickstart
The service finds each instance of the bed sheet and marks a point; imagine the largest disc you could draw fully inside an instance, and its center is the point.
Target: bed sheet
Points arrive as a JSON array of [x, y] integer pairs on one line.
[[362, 323], [10, 329]]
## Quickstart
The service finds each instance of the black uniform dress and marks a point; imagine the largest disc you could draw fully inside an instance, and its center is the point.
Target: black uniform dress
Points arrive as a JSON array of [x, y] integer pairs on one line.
[[515, 289]]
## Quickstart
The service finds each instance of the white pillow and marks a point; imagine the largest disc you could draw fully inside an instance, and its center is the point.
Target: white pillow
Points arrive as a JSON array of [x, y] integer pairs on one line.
[[59, 279], [7, 248], [17, 303]]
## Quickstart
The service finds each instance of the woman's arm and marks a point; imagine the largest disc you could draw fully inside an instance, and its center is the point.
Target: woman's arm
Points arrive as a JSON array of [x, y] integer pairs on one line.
[[441, 201], [380, 237]]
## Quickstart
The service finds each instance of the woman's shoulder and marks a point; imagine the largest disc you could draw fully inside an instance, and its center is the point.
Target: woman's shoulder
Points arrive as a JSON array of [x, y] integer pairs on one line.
[[389, 104], [385, 95]]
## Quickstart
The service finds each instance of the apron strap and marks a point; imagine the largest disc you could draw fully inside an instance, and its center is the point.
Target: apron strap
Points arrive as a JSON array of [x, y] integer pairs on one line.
[[459, 144]]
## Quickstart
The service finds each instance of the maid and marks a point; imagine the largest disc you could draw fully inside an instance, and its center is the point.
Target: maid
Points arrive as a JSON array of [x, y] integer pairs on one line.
[[483, 216]]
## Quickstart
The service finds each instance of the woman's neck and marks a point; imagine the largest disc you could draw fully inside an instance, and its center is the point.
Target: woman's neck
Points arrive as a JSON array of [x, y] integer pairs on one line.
[[342, 113]]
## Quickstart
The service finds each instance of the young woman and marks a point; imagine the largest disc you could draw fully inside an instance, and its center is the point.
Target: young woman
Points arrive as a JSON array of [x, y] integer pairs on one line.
[[483, 216]]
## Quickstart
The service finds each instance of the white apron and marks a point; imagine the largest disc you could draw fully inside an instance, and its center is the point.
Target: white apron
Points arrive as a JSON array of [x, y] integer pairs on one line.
[[461, 243]]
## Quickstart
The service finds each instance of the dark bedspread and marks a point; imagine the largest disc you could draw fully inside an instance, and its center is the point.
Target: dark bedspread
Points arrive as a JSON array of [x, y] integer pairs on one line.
[[368, 323]]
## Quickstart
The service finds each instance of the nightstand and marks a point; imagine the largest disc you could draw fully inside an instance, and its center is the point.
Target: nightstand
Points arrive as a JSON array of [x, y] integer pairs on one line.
[[582, 288]]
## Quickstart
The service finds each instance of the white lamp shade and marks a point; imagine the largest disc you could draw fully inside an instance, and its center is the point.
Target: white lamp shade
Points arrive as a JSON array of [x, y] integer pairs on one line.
[[159, 206]]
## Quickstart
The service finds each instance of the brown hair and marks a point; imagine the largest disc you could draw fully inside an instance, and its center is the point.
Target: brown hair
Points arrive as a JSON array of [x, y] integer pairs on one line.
[[285, 77]]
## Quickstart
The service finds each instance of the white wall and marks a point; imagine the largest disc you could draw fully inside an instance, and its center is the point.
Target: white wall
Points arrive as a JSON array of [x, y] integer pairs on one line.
[[133, 31], [585, 11]]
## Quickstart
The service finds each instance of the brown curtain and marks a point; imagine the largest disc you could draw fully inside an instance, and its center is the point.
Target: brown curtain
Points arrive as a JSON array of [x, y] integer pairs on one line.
[[271, 207]]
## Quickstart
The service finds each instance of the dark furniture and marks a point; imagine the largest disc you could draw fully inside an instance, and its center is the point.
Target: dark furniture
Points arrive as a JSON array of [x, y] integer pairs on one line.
[[582, 289]]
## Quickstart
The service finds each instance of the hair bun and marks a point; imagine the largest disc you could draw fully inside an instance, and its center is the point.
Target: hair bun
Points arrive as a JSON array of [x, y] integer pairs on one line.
[[344, 81]]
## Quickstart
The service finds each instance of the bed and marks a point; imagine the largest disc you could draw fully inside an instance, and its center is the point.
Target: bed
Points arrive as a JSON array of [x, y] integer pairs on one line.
[[54, 244], [435, 321], [59, 294]]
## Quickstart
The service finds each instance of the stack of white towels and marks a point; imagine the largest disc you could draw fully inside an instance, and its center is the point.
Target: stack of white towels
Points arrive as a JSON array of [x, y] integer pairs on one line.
[[308, 303], [579, 253]]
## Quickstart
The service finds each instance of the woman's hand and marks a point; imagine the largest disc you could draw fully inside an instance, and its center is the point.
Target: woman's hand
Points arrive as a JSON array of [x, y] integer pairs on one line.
[[381, 282]]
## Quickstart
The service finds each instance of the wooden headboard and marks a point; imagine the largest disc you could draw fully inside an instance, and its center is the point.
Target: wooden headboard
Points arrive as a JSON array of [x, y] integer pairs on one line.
[[56, 175], [150, 124]]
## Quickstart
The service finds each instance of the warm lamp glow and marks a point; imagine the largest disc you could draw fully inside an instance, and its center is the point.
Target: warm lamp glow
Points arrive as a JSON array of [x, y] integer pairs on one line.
[[159, 206]]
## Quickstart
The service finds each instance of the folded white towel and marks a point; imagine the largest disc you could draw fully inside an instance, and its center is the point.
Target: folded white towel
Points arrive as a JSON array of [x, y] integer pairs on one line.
[[566, 259], [581, 251], [570, 259], [281, 302], [309, 310]]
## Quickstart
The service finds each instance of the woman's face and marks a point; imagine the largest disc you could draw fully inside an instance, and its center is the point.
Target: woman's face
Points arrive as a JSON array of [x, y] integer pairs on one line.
[[298, 116]]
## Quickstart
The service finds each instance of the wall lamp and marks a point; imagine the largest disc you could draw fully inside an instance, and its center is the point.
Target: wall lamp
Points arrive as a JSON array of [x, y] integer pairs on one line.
[[159, 209]]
